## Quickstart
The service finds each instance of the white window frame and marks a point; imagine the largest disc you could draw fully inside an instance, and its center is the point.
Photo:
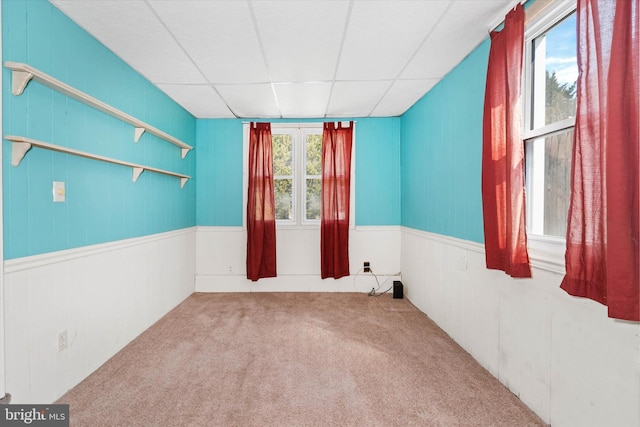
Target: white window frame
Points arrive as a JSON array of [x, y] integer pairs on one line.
[[546, 251], [299, 182]]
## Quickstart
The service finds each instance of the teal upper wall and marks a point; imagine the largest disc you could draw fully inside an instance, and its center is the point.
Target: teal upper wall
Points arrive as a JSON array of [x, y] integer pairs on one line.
[[378, 171], [103, 204], [219, 171], [421, 170], [441, 153]]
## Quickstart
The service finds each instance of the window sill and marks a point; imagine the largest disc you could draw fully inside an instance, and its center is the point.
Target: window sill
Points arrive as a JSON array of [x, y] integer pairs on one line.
[[290, 227], [547, 253], [305, 226]]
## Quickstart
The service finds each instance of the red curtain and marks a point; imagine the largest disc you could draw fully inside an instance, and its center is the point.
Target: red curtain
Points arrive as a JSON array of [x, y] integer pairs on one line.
[[336, 183], [602, 238], [261, 222], [503, 202]]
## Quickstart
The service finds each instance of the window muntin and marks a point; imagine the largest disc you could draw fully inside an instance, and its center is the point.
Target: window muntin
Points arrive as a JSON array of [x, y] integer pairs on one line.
[[550, 103]]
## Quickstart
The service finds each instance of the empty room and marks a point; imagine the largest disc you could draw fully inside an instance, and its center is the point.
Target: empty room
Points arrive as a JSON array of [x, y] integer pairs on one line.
[[320, 212]]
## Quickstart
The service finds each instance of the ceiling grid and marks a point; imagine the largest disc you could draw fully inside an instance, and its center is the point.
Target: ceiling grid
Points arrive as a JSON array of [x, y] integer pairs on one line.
[[290, 59]]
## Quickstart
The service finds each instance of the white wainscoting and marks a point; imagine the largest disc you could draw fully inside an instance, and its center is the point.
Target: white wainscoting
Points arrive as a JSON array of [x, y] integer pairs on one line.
[[561, 355], [103, 295], [221, 255]]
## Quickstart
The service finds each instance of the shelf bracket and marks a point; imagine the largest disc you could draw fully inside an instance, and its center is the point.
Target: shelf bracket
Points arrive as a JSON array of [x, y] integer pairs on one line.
[[184, 152], [183, 181], [19, 81], [18, 150], [136, 173], [138, 133]]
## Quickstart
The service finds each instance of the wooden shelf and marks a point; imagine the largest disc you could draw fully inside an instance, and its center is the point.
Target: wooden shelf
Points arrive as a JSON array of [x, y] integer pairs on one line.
[[21, 145], [22, 74]]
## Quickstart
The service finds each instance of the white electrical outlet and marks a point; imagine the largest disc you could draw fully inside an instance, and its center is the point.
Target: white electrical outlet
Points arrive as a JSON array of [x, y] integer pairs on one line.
[[63, 340]]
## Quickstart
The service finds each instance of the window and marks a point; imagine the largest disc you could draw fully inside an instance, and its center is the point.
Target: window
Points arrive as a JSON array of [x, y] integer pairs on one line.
[[297, 171], [551, 74]]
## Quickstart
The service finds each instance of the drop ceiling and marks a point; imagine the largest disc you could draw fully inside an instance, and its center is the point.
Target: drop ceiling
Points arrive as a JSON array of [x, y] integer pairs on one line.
[[290, 58]]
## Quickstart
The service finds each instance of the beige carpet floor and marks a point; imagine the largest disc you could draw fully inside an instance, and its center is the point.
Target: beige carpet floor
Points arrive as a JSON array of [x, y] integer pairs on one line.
[[294, 359]]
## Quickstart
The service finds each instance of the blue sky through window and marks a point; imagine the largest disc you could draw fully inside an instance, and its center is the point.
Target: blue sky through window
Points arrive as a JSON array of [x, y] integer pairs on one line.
[[561, 50]]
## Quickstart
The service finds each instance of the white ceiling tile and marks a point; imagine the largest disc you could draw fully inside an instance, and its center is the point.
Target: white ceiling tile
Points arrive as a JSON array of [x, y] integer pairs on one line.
[[383, 36], [446, 47], [303, 99], [256, 100], [355, 99], [401, 96], [219, 36], [131, 30], [219, 58], [301, 39], [201, 101]]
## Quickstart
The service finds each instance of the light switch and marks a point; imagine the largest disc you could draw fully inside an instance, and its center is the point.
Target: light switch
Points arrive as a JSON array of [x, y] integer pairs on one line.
[[58, 191]]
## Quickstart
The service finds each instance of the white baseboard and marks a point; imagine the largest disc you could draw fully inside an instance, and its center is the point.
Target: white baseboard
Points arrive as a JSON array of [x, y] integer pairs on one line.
[[294, 283]]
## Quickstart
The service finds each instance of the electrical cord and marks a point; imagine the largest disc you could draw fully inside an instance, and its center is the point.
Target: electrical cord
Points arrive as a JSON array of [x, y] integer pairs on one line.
[[374, 294], [381, 293], [372, 273], [374, 291]]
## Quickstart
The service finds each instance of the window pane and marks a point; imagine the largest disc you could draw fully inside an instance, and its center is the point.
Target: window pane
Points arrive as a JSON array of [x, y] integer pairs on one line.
[[314, 154], [555, 74], [282, 146], [283, 189], [549, 183], [314, 195]]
